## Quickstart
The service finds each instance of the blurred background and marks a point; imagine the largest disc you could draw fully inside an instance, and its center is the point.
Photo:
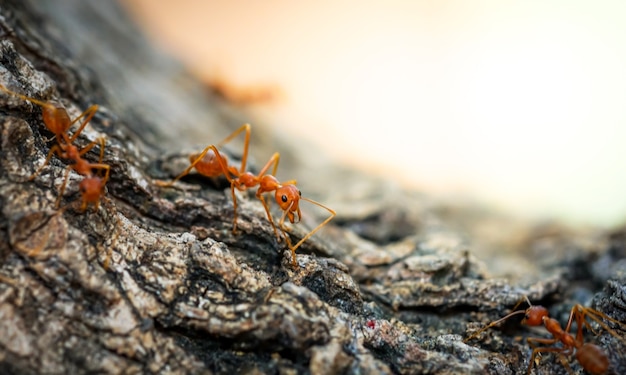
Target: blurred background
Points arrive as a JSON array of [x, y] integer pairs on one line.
[[518, 105]]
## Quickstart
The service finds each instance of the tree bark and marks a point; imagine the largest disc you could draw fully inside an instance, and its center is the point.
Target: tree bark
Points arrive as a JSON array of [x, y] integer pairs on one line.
[[392, 285]]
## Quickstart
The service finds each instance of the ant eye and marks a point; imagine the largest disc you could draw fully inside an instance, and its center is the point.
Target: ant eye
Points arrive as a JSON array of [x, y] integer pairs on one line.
[[299, 193], [284, 198]]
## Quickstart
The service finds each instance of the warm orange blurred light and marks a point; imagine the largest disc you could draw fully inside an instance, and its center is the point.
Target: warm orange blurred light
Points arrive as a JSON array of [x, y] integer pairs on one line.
[[520, 104]]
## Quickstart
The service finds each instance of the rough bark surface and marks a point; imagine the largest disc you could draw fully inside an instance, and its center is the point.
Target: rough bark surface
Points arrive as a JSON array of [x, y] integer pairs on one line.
[[392, 285]]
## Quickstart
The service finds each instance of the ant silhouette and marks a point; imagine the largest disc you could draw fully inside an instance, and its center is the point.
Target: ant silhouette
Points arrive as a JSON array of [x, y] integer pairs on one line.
[[590, 356], [212, 163], [57, 120]]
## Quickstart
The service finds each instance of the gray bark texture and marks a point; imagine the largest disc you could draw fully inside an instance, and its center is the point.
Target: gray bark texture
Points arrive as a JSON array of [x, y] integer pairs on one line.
[[392, 285]]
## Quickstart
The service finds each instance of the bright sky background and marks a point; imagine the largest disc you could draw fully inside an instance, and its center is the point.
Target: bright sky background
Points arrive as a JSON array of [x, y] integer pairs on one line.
[[521, 104]]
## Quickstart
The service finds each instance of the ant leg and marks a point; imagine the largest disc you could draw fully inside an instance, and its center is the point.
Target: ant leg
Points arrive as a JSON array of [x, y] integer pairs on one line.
[[62, 190], [233, 181], [533, 341], [102, 144], [186, 171], [274, 159], [575, 313], [246, 143], [232, 192], [105, 167], [269, 215], [53, 149], [496, 322], [522, 299], [544, 350], [281, 224], [582, 312], [91, 145], [198, 159], [24, 97], [294, 260], [222, 163], [88, 114], [329, 218]]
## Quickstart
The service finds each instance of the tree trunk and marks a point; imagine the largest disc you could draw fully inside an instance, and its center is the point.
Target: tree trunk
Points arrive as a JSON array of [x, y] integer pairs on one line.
[[155, 281]]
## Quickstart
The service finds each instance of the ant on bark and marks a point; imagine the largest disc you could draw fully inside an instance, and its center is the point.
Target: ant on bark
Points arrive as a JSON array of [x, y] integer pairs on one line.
[[57, 121], [211, 163], [590, 356]]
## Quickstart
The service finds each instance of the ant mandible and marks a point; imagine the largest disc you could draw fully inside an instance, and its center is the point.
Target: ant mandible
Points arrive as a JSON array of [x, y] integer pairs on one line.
[[211, 163], [590, 356]]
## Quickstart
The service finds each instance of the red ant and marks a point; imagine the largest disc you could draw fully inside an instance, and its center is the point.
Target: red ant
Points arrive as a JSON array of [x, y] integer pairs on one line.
[[211, 163], [58, 121], [590, 356]]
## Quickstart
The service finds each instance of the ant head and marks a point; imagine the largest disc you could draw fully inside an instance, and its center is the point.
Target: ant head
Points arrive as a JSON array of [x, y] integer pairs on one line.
[[534, 315], [288, 198], [90, 189]]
